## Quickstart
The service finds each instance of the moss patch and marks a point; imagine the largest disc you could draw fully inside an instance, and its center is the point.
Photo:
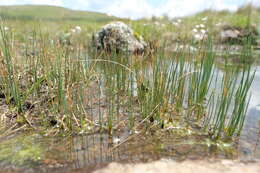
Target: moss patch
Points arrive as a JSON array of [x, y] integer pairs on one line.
[[21, 151]]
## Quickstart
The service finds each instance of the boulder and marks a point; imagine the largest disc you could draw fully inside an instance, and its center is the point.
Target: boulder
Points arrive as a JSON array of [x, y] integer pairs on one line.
[[236, 35], [119, 37]]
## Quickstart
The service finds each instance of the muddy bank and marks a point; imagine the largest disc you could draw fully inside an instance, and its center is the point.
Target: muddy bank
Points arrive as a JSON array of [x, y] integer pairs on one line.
[[167, 166], [163, 166]]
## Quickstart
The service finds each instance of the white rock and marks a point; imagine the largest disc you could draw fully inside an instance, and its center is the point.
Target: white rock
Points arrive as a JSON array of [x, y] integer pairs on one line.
[[118, 36]]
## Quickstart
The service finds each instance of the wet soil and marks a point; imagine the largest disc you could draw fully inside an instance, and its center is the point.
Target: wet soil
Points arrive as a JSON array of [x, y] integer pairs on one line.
[[166, 166]]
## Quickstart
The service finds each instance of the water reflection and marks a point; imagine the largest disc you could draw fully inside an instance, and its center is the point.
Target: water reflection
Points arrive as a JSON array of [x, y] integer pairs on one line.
[[249, 140], [98, 149]]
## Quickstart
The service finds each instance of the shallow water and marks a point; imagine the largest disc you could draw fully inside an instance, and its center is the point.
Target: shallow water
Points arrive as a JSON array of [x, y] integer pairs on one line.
[[97, 150], [250, 138]]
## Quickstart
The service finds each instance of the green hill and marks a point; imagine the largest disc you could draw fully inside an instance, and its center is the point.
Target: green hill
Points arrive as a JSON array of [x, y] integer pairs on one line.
[[50, 13]]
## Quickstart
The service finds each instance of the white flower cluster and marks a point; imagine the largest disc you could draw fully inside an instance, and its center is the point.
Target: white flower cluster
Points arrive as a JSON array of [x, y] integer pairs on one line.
[[159, 24], [186, 48], [199, 32], [76, 29], [177, 22]]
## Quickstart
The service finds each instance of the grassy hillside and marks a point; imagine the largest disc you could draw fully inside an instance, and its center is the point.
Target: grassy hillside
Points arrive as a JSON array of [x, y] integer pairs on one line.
[[50, 13], [239, 18], [182, 29]]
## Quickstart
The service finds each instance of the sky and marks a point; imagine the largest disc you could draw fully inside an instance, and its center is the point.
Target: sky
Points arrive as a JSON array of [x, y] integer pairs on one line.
[[135, 9]]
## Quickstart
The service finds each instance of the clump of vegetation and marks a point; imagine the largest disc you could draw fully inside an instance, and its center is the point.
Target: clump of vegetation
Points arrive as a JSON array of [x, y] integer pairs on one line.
[[61, 85]]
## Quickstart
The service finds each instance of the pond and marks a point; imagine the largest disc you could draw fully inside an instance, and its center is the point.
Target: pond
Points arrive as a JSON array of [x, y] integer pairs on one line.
[[32, 152]]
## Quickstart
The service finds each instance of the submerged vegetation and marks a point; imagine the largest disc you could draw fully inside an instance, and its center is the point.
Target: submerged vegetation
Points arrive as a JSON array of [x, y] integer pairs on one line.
[[20, 151], [56, 83]]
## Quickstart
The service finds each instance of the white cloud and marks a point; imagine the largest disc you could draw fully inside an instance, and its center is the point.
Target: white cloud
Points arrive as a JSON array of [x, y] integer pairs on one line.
[[255, 97], [141, 8], [130, 8], [173, 8], [77, 4]]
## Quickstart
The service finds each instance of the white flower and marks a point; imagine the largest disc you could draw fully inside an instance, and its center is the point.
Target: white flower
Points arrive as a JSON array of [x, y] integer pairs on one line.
[[218, 24], [204, 19], [77, 29], [6, 28], [198, 37], [73, 30], [108, 14], [195, 30], [136, 132], [193, 49], [202, 25], [181, 46], [197, 26], [170, 128], [157, 23], [81, 132], [175, 23], [179, 20], [203, 31]]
